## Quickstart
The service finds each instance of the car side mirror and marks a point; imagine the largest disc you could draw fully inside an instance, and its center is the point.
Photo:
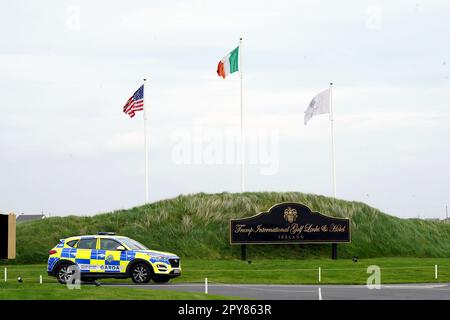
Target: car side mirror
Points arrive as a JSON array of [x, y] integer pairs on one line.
[[121, 248]]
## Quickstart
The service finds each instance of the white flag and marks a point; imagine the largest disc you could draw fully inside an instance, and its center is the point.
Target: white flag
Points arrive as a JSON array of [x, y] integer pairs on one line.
[[320, 104]]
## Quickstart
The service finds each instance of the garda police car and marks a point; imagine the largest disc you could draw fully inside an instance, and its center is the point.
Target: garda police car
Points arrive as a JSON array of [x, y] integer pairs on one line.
[[106, 255]]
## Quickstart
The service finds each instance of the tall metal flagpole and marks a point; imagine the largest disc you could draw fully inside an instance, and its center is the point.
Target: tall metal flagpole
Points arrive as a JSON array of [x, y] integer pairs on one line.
[[242, 122], [146, 145], [332, 140]]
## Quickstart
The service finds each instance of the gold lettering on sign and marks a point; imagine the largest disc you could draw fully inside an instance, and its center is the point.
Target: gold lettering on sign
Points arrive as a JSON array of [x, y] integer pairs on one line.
[[241, 228], [262, 229], [337, 228], [294, 229], [309, 228]]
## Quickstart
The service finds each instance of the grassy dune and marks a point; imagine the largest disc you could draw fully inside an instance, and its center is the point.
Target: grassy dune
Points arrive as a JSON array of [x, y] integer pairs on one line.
[[196, 226]]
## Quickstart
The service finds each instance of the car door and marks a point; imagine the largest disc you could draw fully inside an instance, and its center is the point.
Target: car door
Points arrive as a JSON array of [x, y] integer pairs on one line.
[[109, 249], [86, 254]]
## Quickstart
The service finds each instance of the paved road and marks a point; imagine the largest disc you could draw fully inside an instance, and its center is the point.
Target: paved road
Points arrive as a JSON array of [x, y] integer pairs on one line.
[[311, 292]]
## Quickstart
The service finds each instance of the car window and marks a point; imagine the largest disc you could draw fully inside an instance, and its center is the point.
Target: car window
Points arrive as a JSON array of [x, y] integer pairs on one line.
[[71, 243], [89, 243], [109, 244], [133, 244]]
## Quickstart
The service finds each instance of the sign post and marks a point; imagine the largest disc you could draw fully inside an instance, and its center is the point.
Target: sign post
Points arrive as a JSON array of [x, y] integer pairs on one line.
[[243, 252], [334, 251], [289, 223]]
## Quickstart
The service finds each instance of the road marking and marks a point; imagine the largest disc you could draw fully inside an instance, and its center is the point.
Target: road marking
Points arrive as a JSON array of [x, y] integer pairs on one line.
[[413, 286], [209, 285]]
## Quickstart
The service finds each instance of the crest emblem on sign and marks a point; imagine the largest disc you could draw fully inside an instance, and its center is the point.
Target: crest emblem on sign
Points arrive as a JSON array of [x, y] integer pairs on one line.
[[290, 215], [110, 258]]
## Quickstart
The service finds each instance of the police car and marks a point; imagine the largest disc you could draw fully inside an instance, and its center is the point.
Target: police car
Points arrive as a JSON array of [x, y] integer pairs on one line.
[[106, 255]]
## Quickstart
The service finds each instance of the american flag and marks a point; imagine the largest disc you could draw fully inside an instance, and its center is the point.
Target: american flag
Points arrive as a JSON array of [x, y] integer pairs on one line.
[[135, 103]]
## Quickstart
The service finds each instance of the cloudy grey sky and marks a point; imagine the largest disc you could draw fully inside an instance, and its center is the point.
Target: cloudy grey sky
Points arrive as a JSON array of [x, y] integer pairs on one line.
[[67, 68]]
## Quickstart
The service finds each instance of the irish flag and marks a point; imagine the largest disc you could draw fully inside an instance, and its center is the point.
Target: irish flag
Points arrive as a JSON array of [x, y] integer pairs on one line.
[[229, 63]]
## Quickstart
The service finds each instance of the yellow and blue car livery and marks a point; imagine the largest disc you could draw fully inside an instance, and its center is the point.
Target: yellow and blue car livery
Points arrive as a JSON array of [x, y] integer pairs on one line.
[[110, 256]]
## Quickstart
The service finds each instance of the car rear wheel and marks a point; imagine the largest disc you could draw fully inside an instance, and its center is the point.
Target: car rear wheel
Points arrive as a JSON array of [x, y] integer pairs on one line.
[[65, 273], [140, 273]]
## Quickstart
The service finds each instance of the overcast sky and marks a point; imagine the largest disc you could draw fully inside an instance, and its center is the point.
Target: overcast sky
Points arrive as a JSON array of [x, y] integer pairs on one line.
[[68, 67]]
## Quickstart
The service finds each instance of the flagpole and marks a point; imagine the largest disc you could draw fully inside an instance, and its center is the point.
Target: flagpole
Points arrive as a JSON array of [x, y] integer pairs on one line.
[[146, 145], [242, 122], [333, 159]]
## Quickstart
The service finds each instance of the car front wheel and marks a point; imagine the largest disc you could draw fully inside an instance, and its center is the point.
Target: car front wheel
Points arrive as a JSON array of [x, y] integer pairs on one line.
[[65, 273], [140, 273]]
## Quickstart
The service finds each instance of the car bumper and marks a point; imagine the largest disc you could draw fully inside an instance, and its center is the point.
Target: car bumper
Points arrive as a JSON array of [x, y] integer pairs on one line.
[[175, 273], [167, 267]]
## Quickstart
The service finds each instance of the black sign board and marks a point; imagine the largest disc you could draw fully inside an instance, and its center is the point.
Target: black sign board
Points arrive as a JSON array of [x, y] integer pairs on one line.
[[289, 223]]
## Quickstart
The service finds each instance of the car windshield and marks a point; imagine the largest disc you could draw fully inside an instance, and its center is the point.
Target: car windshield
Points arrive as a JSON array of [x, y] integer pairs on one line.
[[133, 244]]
